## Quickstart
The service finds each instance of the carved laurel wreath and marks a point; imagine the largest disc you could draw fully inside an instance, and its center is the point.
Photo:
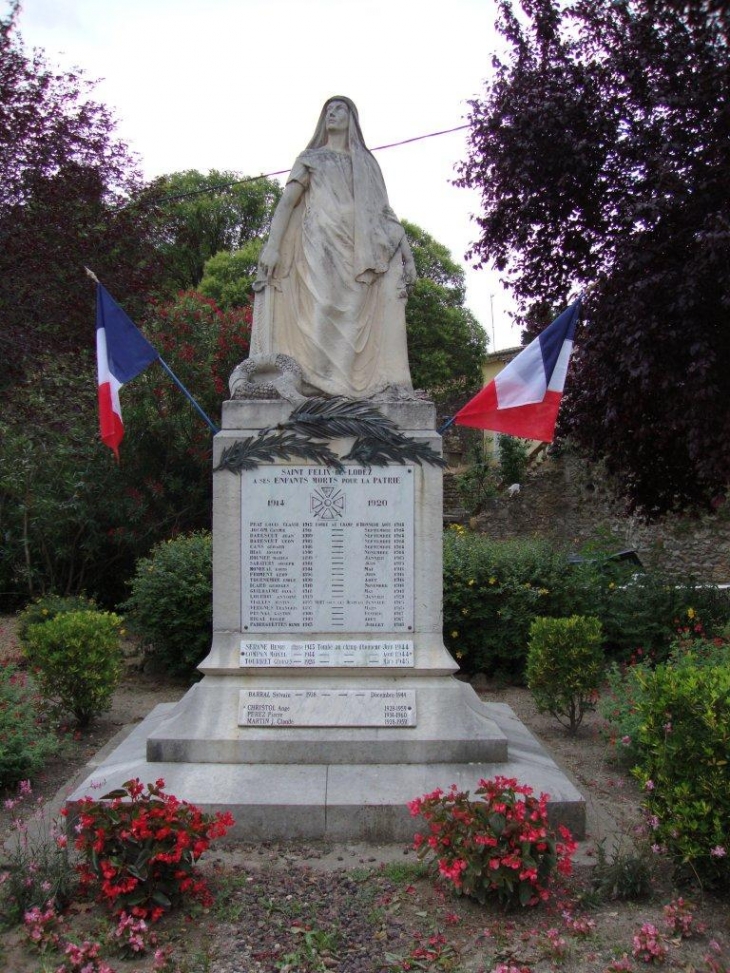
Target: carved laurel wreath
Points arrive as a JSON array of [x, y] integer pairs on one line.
[[377, 440]]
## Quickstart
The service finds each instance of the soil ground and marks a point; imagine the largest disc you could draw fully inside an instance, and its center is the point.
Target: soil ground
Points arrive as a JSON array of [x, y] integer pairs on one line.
[[299, 907]]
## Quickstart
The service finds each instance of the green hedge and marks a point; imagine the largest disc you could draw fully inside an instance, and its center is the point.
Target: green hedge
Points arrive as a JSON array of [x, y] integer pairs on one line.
[[492, 592], [494, 589]]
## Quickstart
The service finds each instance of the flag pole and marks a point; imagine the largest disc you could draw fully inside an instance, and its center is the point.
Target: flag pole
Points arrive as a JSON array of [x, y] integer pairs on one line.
[[209, 422], [214, 429], [442, 430]]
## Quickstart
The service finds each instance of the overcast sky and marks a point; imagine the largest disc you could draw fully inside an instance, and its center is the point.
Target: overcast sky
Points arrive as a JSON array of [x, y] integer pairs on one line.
[[238, 85]]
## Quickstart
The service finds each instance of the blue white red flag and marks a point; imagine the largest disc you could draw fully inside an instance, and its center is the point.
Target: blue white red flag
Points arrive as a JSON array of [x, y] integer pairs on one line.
[[523, 400], [122, 352]]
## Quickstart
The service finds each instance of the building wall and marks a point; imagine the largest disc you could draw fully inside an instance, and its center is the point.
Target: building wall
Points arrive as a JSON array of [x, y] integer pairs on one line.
[[564, 501]]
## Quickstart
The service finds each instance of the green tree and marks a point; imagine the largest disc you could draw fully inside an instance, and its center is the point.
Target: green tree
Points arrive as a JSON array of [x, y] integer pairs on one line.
[[198, 215], [62, 500], [73, 520], [600, 152], [229, 275], [446, 343]]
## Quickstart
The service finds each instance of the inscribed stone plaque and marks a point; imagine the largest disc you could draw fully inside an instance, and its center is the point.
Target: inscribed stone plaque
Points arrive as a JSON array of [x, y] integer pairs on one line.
[[327, 552], [327, 707], [326, 654]]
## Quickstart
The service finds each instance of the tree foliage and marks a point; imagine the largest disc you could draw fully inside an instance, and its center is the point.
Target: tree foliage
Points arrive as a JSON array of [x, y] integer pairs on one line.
[[166, 456], [60, 497], [198, 215], [446, 343], [65, 182], [228, 276], [600, 150]]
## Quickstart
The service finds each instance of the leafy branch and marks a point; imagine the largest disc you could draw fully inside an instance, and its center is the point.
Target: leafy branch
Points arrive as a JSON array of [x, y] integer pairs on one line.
[[377, 439], [267, 447]]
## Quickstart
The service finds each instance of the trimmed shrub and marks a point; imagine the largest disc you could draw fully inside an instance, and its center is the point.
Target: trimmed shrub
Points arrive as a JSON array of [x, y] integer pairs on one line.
[[684, 745], [26, 740], [171, 605], [564, 667], [47, 607], [77, 661]]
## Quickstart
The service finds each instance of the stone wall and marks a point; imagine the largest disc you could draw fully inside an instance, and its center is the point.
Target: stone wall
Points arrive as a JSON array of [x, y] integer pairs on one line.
[[563, 500]]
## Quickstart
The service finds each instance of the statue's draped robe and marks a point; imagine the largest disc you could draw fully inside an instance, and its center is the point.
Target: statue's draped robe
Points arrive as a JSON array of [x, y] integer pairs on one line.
[[336, 303]]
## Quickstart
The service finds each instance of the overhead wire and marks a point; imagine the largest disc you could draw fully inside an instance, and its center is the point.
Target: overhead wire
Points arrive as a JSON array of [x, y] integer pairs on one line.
[[282, 172]]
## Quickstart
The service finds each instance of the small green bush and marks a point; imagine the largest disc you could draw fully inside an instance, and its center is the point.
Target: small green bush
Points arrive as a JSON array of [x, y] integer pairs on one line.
[[45, 608], [621, 703], [479, 482], [512, 453], [626, 876], [564, 667], [26, 739], [77, 661], [171, 603], [685, 746]]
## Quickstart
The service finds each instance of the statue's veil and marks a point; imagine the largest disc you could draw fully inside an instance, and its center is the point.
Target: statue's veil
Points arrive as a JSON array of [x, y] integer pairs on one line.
[[377, 231]]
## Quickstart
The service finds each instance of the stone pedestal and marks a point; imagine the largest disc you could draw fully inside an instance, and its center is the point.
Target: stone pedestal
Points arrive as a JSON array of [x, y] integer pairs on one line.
[[327, 593], [328, 698]]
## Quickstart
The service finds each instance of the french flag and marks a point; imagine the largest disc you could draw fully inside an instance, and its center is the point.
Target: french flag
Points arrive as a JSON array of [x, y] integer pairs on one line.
[[122, 352], [523, 400]]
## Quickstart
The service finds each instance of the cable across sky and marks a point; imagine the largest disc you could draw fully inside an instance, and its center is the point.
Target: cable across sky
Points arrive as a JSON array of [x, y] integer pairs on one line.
[[282, 172]]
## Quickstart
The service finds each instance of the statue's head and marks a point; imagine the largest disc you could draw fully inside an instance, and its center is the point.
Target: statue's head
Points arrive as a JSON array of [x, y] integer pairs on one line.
[[338, 113]]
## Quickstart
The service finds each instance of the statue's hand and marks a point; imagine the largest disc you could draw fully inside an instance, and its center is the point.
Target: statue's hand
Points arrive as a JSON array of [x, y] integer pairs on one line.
[[268, 261], [410, 275]]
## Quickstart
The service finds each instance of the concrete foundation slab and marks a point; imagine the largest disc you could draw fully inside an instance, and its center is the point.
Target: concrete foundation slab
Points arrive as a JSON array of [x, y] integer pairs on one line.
[[339, 802]]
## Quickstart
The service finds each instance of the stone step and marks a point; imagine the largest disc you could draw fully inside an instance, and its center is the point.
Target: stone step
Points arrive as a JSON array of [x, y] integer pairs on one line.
[[338, 802]]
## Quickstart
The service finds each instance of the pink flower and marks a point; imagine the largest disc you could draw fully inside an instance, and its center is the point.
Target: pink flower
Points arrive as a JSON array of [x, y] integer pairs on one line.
[[622, 965], [718, 852], [648, 945]]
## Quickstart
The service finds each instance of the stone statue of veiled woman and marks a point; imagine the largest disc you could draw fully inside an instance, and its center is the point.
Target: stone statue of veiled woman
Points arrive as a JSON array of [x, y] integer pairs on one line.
[[334, 274]]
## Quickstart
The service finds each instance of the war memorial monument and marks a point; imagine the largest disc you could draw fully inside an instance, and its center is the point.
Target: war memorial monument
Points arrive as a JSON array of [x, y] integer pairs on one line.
[[328, 699]]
